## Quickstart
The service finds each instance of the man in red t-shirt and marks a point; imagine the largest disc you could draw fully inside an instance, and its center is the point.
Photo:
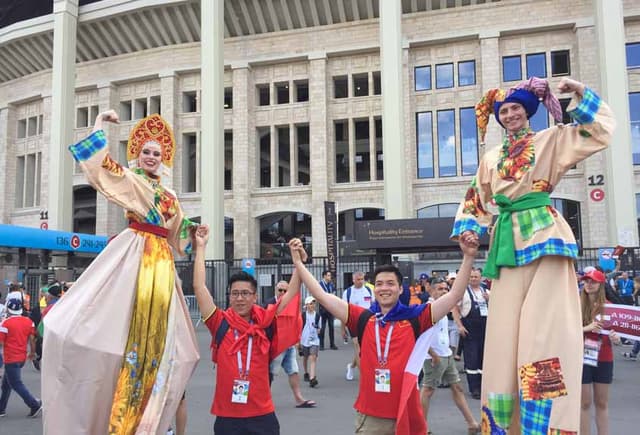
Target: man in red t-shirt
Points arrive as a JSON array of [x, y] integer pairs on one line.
[[242, 400], [15, 332], [388, 337]]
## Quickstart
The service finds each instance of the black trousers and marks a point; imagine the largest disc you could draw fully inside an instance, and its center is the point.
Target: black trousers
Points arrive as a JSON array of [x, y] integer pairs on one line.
[[474, 350], [261, 425], [327, 317]]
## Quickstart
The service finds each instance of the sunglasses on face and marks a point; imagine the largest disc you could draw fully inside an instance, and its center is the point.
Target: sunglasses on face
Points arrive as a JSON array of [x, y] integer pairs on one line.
[[282, 290]]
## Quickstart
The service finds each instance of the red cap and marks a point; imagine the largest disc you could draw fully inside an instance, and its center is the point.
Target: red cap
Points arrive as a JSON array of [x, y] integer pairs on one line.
[[594, 275]]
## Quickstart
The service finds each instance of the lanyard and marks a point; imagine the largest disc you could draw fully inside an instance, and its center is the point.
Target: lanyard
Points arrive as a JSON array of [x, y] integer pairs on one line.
[[382, 359], [245, 374]]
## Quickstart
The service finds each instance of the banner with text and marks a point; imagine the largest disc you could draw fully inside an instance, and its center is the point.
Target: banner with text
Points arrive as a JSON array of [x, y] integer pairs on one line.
[[331, 221], [624, 319]]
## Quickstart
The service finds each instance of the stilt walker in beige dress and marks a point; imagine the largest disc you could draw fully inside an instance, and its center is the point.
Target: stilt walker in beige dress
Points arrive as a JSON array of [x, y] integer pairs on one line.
[[533, 349]]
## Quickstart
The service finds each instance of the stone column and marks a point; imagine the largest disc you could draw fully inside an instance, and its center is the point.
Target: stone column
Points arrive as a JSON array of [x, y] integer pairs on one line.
[[212, 123], [274, 151], [293, 155], [244, 157], [372, 149], [169, 105], [5, 205], [395, 185], [65, 20], [319, 148], [622, 219]]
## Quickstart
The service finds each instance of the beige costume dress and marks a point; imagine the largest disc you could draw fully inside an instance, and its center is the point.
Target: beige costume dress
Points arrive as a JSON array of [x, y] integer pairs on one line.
[[533, 350], [119, 347]]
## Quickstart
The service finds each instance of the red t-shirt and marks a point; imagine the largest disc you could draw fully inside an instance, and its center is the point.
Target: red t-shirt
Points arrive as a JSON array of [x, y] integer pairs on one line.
[[14, 334], [370, 402], [259, 399]]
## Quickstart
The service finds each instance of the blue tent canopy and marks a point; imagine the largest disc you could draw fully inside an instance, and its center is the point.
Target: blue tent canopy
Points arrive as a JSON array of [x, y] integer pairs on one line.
[[34, 238]]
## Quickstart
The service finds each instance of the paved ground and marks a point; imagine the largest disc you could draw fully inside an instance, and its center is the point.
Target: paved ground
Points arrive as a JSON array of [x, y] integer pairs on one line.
[[335, 398]]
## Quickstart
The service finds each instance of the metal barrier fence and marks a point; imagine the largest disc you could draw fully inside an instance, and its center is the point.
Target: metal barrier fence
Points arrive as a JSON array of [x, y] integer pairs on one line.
[[268, 272], [629, 260], [194, 311]]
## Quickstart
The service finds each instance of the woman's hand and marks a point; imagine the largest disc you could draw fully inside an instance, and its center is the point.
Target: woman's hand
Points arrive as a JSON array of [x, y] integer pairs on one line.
[[615, 338], [567, 85], [594, 326], [201, 236], [108, 116], [469, 242]]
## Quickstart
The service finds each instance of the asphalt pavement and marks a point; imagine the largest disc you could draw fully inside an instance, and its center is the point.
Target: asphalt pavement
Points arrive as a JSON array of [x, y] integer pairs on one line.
[[334, 396]]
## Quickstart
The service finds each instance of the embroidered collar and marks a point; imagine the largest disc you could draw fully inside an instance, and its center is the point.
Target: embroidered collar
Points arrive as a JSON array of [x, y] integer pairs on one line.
[[517, 154], [152, 179]]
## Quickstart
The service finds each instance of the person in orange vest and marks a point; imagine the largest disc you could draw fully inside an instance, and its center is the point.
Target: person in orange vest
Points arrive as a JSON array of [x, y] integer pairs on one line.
[[417, 295]]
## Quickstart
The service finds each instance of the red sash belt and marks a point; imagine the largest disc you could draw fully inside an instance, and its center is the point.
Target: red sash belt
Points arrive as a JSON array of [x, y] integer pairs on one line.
[[149, 228]]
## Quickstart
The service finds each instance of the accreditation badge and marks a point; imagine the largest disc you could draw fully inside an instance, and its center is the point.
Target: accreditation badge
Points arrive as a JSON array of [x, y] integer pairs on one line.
[[383, 381], [591, 351], [240, 392]]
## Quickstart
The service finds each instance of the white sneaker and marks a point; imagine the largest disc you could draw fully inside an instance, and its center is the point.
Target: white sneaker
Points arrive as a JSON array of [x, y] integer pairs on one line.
[[349, 374]]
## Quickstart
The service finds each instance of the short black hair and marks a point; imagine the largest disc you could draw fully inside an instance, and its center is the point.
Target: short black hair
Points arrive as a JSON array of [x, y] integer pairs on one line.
[[243, 277], [324, 272], [388, 268]]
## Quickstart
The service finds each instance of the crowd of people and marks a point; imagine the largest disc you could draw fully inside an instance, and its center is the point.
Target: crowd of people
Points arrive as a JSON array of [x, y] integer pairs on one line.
[[525, 344]]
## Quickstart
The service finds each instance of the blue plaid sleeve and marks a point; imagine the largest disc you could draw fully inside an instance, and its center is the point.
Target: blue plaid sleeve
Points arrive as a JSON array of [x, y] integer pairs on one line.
[[462, 225], [88, 146], [585, 112]]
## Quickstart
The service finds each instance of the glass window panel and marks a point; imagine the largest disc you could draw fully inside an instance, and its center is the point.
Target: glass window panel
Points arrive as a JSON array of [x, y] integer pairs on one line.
[[540, 120], [140, 108], [634, 116], [302, 90], [467, 73], [423, 78], [360, 85], [633, 55], [263, 95], [284, 157], [41, 120], [536, 65], [125, 111], [424, 139], [264, 139], [363, 162], [189, 163], [228, 98], [560, 63], [155, 104], [22, 128], [228, 160], [564, 104], [282, 93], [379, 153], [188, 102], [30, 180], [304, 175], [469, 141], [20, 163], [511, 68], [342, 151], [446, 143], [428, 212], [377, 84], [82, 117], [38, 177], [444, 76], [447, 210], [340, 87]]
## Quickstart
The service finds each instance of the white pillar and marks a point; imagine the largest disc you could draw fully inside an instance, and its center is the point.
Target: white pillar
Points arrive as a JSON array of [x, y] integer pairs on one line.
[[212, 121], [65, 20], [619, 171], [395, 184], [4, 177]]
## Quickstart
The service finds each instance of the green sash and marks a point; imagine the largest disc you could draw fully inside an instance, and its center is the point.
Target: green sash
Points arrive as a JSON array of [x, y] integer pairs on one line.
[[503, 249]]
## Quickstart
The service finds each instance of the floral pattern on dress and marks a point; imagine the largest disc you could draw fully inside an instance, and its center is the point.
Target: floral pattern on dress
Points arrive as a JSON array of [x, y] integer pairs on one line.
[[517, 155], [472, 201], [112, 166]]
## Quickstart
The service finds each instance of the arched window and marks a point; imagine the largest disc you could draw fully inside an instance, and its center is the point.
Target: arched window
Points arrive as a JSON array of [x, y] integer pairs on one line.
[[347, 220], [446, 210]]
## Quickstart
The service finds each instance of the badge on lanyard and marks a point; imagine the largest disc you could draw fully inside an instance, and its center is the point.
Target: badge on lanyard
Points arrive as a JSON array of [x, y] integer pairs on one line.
[[240, 392], [591, 351], [382, 375], [484, 308], [383, 381]]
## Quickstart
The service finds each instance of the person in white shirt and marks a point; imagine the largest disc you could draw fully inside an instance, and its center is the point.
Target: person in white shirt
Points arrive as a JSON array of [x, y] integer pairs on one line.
[[309, 340], [358, 294], [439, 367]]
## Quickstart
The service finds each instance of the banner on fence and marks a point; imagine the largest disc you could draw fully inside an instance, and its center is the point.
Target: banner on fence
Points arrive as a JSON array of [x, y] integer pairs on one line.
[[331, 221], [249, 266], [624, 319]]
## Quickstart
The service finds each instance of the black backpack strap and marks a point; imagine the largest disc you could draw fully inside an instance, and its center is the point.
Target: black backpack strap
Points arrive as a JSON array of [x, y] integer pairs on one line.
[[415, 324], [362, 323], [222, 331]]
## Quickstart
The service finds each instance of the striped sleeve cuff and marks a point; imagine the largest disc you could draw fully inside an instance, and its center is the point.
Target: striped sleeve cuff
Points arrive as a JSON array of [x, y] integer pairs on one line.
[[462, 225], [88, 146], [585, 111]]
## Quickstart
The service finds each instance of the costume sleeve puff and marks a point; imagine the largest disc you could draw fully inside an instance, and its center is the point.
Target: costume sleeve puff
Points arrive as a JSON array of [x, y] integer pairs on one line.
[[472, 213], [591, 132]]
